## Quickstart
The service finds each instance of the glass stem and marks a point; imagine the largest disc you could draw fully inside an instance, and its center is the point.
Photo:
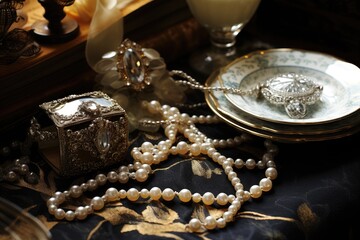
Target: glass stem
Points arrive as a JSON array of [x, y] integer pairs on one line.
[[224, 40]]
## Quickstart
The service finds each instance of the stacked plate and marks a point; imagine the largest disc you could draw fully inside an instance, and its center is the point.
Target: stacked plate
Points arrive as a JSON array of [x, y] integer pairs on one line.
[[335, 115]]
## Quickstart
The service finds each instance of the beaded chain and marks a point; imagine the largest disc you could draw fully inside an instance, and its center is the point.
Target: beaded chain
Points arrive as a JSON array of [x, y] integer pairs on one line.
[[148, 154]]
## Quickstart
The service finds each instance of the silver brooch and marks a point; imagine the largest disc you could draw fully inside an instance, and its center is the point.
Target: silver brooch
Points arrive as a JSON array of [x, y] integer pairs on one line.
[[292, 90]]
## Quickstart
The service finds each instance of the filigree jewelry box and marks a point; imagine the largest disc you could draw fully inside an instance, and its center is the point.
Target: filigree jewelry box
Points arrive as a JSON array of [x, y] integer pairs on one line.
[[89, 132]]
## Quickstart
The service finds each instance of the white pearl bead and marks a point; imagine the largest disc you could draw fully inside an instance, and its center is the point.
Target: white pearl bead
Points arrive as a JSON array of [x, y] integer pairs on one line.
[[228, 169], [196, 197], [111, 194], [239, 163], [144, 193], [250, 163], [147, 158], [101, 179], [182, 147], [220, 223], [184, 117], [222, 199], [60, 197], [136, 154], [52, 201], [271, 173], [122, 194], [168, 194], [235, 180], [208, 198], [52, 208], [141, 175], [210, 222], [202, 119], [123, 177], [231, 198], [112, 176], [246, 196], [59, 214], [236, 203], [265, 184], [226, 163], [222, 143], [233, 209], [70, 215], [192, 137], [228, 216], [147, 147], [75, 191], [195, 149], [211, 151], [97, 203], [133, 194], [92, 184], [215, 156], [238, 186], [155, 193], [137, 165], [231, 175], [205, 147], [81, 213], [84, 187], [185, 195], [194, 225], [221, 159]]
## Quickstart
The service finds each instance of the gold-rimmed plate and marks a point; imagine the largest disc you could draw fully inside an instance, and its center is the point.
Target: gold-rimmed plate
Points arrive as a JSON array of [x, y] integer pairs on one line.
[[221, 106], [340, 81], [16, 223]]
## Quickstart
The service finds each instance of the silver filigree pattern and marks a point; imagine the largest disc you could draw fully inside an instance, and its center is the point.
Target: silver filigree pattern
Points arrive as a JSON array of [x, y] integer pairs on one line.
[[292, 90], [90, 132]]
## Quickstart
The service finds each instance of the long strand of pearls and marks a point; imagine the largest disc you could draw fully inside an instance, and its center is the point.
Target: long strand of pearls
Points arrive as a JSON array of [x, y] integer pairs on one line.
[[148, 154]]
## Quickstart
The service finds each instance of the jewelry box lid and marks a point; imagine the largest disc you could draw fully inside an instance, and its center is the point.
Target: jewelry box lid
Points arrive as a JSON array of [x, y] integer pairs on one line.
[[80, 108]]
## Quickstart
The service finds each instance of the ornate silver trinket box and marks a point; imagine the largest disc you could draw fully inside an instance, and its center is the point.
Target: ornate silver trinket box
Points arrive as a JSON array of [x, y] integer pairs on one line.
[[90, 132]]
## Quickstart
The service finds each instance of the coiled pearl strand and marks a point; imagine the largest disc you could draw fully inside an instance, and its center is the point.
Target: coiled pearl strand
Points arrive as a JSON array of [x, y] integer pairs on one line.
[[149, 154]]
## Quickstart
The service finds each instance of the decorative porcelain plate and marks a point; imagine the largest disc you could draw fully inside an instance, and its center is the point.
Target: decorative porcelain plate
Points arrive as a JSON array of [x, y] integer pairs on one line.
[[340, 81], [234, 116]]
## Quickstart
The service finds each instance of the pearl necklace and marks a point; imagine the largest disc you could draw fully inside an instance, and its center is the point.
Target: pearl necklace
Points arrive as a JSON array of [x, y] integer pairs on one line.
[[149, 154]]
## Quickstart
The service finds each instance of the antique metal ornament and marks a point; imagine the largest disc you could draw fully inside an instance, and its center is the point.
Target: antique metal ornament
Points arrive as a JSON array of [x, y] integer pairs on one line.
[[294, 91], [133, 66], [90, 132]]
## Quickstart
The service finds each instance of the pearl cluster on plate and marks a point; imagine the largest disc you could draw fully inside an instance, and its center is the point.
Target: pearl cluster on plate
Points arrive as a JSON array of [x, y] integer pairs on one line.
[[149, 154]]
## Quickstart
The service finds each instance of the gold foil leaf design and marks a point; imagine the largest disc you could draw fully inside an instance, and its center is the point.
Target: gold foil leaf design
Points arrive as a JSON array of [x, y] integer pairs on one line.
[[201, 212], [158, 220], [307, 217], [157, 212], [119, 214], [159, 230], [202, 169]]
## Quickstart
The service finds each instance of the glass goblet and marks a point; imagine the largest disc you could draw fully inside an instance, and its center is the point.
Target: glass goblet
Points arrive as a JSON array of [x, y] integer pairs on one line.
[[223, 19]]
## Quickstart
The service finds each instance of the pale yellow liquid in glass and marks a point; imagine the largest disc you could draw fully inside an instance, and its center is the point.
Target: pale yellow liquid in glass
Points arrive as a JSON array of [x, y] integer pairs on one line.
[[223, 13]]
